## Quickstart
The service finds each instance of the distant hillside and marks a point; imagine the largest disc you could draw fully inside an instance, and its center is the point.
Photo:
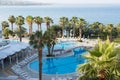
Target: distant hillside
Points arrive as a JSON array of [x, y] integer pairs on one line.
[[13, 2]]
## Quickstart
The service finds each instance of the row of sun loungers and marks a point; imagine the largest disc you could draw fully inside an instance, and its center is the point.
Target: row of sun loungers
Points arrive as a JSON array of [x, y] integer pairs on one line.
[[9, 78], [18, 67], [27, 60], [20, 72], [61, 78]]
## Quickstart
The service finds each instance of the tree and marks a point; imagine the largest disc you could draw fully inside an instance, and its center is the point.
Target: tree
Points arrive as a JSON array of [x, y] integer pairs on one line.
[[37, 41], [81, 23], [5, 29], [38, 20], [6, 33], [18, 32], [57, 29], [48, 20], [11, 19], [73, 21], [115, 32], [68, 28], [109, 28], [50, 40], [97, 28], [118, 28], [19, 22], [101, 27], [30, 20], [102, 63], [63, 22], [4, 24]]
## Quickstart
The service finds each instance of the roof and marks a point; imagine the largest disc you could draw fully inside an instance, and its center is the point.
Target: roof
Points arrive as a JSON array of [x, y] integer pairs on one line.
[[11, 49]]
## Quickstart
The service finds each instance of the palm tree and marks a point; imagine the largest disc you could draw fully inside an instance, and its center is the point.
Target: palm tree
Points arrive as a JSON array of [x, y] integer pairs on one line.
[[57, 29], [109, 28], [11, 19], [22, 32], [4, 24], [118, 28], [73, 21], [63, 22], [38, 20], [81, 23], [6, 33], [30, 20], [50, 40], [48, 20], [102, 63], [19, 22], [101, 27], [37, 41], [97, 28], [68, 28]]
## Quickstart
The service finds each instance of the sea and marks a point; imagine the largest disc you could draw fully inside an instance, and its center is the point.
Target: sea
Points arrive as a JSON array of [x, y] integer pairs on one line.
[[106, 14]]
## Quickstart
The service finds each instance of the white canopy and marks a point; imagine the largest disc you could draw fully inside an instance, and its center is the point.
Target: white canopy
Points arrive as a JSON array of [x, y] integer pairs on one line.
[[12, 48]]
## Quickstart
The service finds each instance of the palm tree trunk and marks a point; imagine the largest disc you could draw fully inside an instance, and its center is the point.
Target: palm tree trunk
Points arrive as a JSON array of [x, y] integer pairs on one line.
[[30, 29], [38, 27], [63, 31], [12, 27], [102, 75], [69, 32], [53, 48], [20, 34], [40, 63], [80, 33], [100, 34], [111, 37], [49, 50], [74, 30], [47, 25]]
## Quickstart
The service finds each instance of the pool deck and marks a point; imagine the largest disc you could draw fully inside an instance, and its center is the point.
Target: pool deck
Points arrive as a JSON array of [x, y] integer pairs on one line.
[[49, 76]]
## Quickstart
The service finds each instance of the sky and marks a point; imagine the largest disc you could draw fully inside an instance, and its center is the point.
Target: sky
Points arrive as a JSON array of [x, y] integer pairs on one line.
[[78, 1]]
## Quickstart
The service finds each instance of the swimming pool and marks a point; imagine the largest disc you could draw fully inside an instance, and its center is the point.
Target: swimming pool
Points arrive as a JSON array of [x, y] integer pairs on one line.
[[60, 65]]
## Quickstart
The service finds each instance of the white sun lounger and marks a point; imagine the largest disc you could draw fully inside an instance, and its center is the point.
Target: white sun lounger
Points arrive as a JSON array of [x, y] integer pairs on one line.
[[61, 78], [53, 78], [69, 78], [13, 77]]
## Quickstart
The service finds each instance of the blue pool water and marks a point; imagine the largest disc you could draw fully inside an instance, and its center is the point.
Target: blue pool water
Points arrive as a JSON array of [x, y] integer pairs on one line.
[[62, 45], [60, 65]]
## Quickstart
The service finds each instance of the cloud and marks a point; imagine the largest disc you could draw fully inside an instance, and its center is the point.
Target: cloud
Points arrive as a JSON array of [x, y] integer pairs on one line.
[[73, 1], [79, 1]]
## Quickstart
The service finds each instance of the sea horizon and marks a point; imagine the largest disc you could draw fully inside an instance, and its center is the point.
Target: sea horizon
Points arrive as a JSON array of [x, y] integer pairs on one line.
[[104, 13]]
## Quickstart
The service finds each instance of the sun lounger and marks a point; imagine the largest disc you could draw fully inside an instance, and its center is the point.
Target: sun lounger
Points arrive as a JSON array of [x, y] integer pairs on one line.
[[69, 78], [64, 78], [53, 78], [59, 78], [13, 77], [33, 79]]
